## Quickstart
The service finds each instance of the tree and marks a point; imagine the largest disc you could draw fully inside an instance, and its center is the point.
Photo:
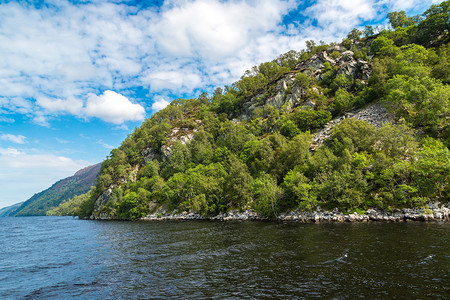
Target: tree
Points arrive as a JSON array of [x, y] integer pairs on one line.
[[431, 170], [343, 101], [289, 129], [424, 102], [360, 134], [396, 141], [436, 23], [355, 34], [299, 191], [132, 207], [399, 19], [310, 46], [266, 195], [237, 183], [303, 81], [368, 31]]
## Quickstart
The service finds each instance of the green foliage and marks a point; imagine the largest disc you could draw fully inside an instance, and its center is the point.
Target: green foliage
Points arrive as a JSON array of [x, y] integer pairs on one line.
[[355, 34], [436, 23], [69, 208], [340, 82], [299, 191], [424, 102], [399, 19], [258, 156], [266, 195], [133, 206], [396, 141], [237, 185], [310, 119], [303, 81], [265, 162], [289, 129], [383, 46], [368, 31], [345, 189], [353, 134], [343, 101]]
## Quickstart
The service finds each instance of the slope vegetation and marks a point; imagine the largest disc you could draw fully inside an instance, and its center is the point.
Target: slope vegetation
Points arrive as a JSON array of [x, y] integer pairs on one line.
[[61, 191], [357, 125]]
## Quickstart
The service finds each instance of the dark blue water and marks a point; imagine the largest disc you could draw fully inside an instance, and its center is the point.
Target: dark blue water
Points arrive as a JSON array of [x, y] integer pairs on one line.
[[54, 257]]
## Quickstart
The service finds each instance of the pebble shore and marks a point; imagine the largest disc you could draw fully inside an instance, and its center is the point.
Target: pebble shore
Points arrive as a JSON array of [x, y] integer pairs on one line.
[[434, 212]]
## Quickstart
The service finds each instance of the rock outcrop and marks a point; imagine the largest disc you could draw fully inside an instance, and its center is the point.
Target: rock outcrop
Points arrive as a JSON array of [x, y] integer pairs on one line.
[[435, 212], [288, 95], [374, 114], [181, 135]]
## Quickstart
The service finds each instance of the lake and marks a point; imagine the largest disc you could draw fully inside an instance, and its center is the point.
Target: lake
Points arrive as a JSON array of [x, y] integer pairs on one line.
[[62, 257]]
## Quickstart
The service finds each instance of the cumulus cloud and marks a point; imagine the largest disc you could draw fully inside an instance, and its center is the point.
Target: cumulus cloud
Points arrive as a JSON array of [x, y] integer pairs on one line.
[[18, 139], [69, 105], [55, 57], [113, 107], [340, 16], [159, 103], [215, 29]]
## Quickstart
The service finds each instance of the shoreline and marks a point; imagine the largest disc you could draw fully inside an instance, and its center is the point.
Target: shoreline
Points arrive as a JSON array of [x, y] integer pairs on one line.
[[435, 212]]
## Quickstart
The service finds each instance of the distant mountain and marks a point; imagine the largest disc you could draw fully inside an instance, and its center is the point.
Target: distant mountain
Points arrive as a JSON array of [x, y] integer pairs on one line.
[[59, 192], [5, 211]]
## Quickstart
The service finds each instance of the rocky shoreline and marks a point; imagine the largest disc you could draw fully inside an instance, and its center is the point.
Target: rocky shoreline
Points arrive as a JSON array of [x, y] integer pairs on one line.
[[435, 212]]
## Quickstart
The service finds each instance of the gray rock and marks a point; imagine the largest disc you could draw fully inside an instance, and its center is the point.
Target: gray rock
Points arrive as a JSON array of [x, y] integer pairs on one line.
[[148, 154]]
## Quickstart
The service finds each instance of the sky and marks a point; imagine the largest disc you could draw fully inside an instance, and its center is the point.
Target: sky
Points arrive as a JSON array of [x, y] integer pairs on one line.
[[77, 77]]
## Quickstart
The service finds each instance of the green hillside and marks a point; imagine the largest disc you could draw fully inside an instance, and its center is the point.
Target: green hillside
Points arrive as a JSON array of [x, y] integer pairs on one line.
[[61, 191], [308, 129], [5, 211]]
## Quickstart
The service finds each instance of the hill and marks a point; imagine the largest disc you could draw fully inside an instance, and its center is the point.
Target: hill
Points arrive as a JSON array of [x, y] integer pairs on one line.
[[352, 126], [5, 211], [40, 203]]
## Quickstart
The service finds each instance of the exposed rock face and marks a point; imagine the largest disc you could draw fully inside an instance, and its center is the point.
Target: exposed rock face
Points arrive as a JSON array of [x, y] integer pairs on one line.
[[435, 212], [345, 64], [103, 199], [374, 114], [148, 154], [288, 95], [182, 135]]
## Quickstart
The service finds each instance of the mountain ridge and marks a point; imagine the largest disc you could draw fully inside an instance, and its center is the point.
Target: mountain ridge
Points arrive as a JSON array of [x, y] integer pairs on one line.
[[60, 191]]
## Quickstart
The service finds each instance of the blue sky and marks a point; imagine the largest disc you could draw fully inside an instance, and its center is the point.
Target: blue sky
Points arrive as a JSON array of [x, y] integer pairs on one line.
[[76, 77]]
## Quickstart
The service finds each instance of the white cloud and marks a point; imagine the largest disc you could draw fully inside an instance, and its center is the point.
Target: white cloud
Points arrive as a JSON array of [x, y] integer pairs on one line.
[[340, 16], [107, 146], [24, 173], [113, 107], [6, 120], [18, 139], [69, 105], [54, 58], [160, 103], [215, 29]]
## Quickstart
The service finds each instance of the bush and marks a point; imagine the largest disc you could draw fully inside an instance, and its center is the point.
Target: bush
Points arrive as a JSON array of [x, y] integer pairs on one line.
[[289, 129], [311, 119]]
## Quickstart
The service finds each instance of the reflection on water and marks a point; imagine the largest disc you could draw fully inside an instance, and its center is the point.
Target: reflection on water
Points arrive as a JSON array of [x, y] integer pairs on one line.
[[63, 257]]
